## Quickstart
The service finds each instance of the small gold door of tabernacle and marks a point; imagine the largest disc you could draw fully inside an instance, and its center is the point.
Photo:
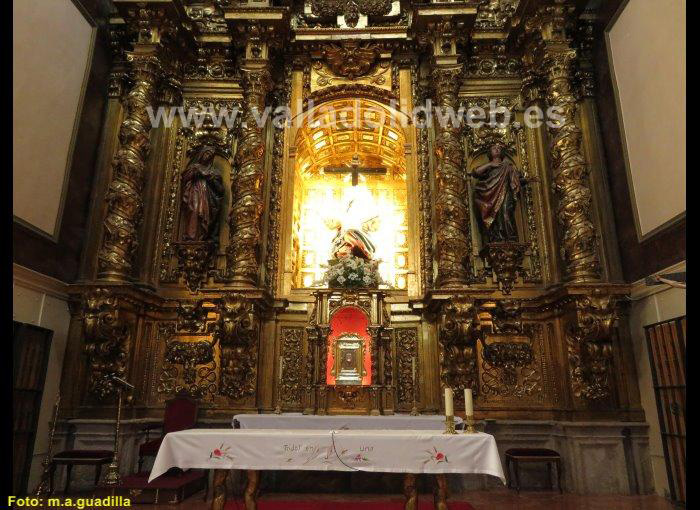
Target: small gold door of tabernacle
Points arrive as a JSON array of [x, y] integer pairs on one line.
[[347, 367]]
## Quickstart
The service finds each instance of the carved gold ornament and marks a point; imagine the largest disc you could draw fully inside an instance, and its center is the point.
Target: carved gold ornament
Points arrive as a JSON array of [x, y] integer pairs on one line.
[[590, 349], [236, 331], [350, 9], [107, 341], [352, 59]]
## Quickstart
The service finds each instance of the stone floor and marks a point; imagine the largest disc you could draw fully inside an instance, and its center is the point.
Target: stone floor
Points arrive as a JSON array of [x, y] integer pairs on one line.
[[499, 499]]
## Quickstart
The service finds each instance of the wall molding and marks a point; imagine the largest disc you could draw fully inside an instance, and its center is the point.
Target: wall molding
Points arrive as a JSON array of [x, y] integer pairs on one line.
[[29, 279], [641, 290]]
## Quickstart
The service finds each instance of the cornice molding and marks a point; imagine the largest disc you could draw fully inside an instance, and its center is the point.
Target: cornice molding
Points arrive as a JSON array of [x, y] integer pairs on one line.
[[641, 290], [30, 279]]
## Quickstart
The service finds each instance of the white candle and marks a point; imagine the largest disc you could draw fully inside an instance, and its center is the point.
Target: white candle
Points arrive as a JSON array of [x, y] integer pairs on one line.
[[468, 402], [281, 363], [449, 406]]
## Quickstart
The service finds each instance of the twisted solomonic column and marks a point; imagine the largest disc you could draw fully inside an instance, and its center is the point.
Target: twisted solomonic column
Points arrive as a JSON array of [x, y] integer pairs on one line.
[[570, 172], [124, 195], [451, 213], [247, 208]]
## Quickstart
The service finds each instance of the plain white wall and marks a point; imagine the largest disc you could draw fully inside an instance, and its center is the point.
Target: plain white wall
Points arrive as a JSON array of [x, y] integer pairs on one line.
[[52, 45], [647, 51], [651, 305], [41, 301]]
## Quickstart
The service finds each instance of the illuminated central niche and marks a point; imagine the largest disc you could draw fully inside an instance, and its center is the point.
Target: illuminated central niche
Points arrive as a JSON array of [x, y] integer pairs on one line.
[[331, 136]]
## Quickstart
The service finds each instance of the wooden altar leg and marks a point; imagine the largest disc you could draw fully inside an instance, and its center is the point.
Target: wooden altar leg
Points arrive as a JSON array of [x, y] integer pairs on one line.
[[219, 490], [410, 491], [441, 492], [250, 496]]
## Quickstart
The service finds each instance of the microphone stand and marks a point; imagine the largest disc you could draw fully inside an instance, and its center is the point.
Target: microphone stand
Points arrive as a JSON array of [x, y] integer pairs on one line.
[[44, 488], [112, 477]]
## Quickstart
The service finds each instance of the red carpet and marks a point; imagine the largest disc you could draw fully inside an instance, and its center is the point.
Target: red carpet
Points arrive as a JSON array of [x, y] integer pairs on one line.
[[424, 503]]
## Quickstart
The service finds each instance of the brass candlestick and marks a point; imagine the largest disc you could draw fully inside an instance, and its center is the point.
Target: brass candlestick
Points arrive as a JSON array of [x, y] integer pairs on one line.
[[469, 421], [44, 487], [450, 425]]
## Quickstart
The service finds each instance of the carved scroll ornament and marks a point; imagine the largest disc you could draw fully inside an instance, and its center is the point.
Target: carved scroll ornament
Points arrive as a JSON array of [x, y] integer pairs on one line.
[[107, 340], [458, 332], [236, 330], [590, 349], [291, 391], [408, 367], [198, 374]]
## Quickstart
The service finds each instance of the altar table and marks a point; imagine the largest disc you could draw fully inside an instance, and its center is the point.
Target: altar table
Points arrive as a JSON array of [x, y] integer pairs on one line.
[[297, 421], [387, 451]]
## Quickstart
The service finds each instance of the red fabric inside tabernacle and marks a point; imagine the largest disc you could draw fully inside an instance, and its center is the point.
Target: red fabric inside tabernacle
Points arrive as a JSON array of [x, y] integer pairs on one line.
[[424, 503], [349, 320]]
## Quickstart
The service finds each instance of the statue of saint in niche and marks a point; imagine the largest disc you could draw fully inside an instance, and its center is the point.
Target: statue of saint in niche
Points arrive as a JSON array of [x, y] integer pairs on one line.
[[202, 193], [496, 194]]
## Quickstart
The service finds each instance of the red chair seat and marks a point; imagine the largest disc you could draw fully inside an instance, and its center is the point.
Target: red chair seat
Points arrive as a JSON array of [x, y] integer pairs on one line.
[[180, 414], [150, 448]]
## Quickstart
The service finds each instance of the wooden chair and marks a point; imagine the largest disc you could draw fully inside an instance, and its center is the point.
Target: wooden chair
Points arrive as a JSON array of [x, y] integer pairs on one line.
[[71, 458], [517, 455], [180, 414]]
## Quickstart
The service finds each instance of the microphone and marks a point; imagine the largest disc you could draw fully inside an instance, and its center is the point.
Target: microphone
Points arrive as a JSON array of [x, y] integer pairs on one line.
[[121, 381]]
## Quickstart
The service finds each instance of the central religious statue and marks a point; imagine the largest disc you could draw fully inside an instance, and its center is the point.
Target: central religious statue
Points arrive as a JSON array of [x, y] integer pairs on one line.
[[352, 231]]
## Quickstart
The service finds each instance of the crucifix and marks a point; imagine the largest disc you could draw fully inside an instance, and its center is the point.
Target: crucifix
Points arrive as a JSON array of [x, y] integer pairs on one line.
[[355, 169]]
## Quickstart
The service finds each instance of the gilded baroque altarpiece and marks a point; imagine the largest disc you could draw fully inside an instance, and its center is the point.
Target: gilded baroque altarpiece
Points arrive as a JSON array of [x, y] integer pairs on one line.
[[235, 317]]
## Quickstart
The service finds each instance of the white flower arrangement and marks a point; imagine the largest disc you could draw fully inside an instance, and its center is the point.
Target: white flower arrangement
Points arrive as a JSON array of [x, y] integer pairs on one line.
[[353, 271]]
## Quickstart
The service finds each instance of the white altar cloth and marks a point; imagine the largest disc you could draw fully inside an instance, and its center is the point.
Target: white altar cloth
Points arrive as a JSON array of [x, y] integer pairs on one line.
[[298, 421], [385, 451]]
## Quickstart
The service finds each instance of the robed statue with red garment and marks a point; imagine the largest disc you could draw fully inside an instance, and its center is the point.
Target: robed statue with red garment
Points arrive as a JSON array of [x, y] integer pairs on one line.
[[352, 232], [202, 193], [496, 194]]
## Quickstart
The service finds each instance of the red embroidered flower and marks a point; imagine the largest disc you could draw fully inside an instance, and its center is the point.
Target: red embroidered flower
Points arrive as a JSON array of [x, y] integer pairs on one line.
[[221, 453], [435, 456]]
